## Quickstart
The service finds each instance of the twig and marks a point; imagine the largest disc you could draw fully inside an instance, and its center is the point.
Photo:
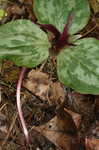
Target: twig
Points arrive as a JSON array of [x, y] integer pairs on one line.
[[2, 107], [87, 32]]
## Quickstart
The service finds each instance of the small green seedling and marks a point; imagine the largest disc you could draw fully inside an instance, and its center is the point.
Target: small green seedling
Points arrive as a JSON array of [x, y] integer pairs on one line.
[[27, 44], [2, 13]]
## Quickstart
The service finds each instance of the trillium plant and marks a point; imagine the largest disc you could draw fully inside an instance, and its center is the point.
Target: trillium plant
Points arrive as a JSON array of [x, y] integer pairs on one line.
[[28, 44]]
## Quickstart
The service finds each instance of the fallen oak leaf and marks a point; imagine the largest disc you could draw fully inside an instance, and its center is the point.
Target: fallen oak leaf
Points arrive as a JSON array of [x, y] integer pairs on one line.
[[61, 130], [76, 117], [66, 123]]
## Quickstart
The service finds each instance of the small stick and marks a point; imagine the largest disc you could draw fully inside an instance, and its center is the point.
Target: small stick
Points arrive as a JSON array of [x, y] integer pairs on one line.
[[25, 131]]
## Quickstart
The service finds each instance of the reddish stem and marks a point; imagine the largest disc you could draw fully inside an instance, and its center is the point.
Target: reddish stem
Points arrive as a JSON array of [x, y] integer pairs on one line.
[[65, 34], [25, 131], [51, 28], [64, 37]]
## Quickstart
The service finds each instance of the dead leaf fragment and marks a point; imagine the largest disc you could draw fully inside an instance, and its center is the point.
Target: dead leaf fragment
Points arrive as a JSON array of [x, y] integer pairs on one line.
[[15, 10], [57, 93], [76, 117], [61, 131], [20, 9], [83, 103], [10, 72], [94, 5], [92, 144], [38, 83], [94, 130]]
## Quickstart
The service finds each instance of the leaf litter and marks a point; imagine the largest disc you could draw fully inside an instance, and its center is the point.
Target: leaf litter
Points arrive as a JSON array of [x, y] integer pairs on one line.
[[57, 117]]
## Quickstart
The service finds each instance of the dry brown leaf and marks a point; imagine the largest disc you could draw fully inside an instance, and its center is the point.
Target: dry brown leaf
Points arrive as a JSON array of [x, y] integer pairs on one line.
[[76, 117], [95, 5], [92, 144], [20, 9], [10, 72], [40, 85], [61, 130], [15, 10], [57, 93], [83, 104]]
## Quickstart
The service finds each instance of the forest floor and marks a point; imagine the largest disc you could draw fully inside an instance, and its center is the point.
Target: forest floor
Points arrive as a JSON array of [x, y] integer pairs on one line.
[[57, 117]]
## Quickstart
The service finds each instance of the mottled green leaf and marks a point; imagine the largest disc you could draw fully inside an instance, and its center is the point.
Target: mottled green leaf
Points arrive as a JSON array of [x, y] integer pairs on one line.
[[78, 67], [24, 43], [55, 12]]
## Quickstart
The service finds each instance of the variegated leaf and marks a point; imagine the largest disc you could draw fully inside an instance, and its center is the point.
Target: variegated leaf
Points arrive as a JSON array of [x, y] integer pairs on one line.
[[24, 43], [78, 66], [55, 12]]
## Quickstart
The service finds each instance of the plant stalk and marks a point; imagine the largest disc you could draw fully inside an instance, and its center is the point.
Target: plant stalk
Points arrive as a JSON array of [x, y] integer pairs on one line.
[[19, 84], [51, 28]]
